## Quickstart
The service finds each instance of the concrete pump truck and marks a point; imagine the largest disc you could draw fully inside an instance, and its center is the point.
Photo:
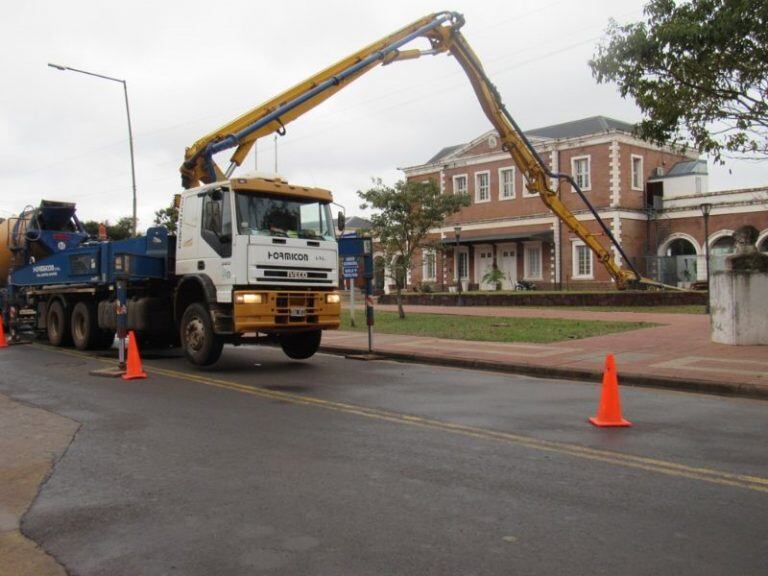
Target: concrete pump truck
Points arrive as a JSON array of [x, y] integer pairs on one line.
[[254, 257]]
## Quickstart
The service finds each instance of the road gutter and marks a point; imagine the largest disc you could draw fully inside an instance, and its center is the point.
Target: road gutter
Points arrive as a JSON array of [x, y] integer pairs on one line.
[[732, 389]]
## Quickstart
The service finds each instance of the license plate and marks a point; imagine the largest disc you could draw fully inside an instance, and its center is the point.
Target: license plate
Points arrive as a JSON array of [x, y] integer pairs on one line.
[[297, 274], [298, 312]]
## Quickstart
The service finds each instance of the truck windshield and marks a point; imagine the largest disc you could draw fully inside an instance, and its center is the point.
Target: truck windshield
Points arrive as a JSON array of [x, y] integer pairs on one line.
[[283, 217]]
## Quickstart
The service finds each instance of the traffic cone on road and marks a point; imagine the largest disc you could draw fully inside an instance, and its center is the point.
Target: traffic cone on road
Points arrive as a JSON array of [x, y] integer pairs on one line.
[[3, 340], [133, 369], [609, 410]]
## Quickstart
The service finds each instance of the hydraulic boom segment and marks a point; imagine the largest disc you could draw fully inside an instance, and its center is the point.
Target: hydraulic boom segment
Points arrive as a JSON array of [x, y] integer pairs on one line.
[[442, 30]]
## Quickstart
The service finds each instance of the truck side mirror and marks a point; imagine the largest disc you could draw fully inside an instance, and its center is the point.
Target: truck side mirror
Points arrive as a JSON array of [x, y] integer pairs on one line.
[[342, 222]]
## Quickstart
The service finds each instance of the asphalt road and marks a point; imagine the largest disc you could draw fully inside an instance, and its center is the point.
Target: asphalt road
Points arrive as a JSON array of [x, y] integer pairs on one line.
[[336, 467]]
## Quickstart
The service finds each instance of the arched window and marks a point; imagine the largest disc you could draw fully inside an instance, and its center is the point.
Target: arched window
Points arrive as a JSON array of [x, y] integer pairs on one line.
[[723, 245]]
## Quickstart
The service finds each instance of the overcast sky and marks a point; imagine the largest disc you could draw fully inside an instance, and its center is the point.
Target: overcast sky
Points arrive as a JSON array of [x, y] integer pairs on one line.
[[192, 66]]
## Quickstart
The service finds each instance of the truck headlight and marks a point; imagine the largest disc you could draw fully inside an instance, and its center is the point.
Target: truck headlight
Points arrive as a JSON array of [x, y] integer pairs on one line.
[[249, 298], [332, 298]]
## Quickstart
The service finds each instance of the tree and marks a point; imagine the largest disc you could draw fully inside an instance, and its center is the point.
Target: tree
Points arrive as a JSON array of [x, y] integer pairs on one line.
[[92, 227], [406, 214], [168, 217], [120, 231], [698, 70]]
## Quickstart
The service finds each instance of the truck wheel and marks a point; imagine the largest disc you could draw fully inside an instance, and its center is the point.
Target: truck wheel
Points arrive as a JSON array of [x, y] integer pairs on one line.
[[81, 325], [201, 345], [57, 324], [86, 334], [301, 345]]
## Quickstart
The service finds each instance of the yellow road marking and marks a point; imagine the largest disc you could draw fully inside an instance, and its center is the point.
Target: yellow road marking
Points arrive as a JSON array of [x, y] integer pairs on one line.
[[756, 483]]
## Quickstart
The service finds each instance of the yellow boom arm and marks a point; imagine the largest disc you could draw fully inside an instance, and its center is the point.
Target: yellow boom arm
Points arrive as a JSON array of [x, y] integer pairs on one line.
[[443, 32]]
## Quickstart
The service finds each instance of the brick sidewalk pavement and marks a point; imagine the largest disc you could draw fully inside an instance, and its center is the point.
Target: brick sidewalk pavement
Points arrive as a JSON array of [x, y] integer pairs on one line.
[[677, 354]]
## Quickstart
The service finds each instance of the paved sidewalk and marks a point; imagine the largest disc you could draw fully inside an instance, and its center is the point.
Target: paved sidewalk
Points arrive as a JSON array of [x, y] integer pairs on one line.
[[31, 440], [677, 354]]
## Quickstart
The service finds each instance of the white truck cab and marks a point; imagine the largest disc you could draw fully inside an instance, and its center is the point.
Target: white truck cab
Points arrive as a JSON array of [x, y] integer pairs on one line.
[[262, 254]]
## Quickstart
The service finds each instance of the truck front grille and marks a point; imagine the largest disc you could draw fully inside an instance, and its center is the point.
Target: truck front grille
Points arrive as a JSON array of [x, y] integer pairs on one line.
[[296, 308]]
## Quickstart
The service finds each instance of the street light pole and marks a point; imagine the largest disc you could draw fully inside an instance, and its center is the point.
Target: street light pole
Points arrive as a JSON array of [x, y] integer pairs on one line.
[[130, 129], [706, 208], [457, 231]]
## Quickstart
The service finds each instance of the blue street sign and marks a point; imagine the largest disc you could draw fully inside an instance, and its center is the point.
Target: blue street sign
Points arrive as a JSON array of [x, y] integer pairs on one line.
[[350, 270]]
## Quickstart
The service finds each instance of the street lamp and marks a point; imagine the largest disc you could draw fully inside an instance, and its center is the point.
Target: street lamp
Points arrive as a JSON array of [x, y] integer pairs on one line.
[[706, 208], [457, 232], [130, 131]]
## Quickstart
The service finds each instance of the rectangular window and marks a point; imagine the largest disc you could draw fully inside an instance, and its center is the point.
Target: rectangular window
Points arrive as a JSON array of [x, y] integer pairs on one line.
[[582, 261], [637, 172], [463, 264], [460, 184], [482, 187], [506, 183], [429, 271], [580, 169], [532, 261]]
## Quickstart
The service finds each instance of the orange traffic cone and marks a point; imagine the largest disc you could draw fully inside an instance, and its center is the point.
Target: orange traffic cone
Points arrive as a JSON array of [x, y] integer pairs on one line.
[[609, 411], [133, 370], [3, 341]]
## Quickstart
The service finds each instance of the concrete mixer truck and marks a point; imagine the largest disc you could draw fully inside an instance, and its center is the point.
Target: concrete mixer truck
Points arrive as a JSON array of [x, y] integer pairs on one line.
[[255, 259]]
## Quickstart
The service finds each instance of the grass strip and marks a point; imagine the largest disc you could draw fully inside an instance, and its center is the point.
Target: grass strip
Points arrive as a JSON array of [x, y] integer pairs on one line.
[[489, 329]]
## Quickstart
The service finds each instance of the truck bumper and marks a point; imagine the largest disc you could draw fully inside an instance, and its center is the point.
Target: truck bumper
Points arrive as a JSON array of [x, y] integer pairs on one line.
[[285, 311]]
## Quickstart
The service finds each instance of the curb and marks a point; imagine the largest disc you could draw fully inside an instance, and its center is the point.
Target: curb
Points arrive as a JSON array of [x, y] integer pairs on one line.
[[739, 390]]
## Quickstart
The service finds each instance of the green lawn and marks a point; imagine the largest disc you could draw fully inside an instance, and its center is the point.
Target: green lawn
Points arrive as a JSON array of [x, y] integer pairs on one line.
[[489, 329]]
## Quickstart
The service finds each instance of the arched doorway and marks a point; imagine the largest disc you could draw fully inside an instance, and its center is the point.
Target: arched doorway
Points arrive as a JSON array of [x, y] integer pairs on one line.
[[678, 258]]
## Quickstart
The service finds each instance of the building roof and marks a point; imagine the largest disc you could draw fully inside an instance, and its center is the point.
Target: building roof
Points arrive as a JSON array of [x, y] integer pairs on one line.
[[684, 168], [444, 152], [583, 127], [357, 223], [573, 129]]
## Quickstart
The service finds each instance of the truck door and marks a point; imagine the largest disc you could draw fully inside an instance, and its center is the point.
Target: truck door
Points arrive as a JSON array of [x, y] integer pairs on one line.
[[214, 255]]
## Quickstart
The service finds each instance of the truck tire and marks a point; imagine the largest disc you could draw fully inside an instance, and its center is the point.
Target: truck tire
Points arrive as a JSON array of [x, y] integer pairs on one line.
[[201, 345], [86, 334], [301, 345], [57, 324]]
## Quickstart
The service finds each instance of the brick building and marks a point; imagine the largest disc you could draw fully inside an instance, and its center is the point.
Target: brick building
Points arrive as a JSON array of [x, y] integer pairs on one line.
[[648, 195]]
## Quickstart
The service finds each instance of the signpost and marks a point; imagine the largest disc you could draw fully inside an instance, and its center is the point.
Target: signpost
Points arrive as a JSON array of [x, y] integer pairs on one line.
[[352, 248]]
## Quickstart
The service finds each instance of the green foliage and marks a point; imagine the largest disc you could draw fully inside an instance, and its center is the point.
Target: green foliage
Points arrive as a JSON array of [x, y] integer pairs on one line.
[[120, 231], [92, 227], [167, 217], [698, 70], [404, 216], [494, 276]]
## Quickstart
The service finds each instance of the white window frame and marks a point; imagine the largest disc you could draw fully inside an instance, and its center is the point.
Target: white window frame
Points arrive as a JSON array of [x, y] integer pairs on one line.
[[425, 257], [574, 161], [526, 192], [513, 171], [466, 183], [487, 174], [638, 175], [575, 245], [527, 246]]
